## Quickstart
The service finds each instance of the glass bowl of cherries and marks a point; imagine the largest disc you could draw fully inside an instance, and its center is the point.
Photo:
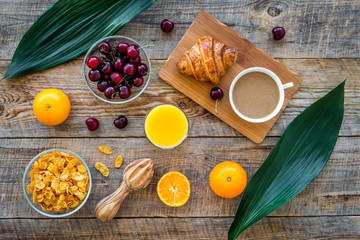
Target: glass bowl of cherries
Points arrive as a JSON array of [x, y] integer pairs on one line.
[[116, 69]]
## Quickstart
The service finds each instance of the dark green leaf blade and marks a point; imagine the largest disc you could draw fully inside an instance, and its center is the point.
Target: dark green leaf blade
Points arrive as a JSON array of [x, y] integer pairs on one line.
[[68, 29], [296, 160]]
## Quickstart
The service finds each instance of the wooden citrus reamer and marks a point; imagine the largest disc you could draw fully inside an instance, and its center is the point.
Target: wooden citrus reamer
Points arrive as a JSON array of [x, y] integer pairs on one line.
[[137, 175]]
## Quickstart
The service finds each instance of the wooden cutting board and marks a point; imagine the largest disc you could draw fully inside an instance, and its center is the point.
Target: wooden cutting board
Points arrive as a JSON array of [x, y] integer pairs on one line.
[[248, 56]]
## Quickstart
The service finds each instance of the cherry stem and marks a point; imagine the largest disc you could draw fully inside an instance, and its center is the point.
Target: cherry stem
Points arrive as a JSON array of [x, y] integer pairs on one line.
[[112, 96], [125, 77], [110, 113], [150, 73], [172, 17], [261, 30], [122, 80], [149, 45], [77, 125], [216, 104]]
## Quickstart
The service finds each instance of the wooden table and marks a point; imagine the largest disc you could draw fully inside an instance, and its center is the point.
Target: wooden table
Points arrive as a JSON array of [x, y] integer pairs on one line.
[[322, 45]]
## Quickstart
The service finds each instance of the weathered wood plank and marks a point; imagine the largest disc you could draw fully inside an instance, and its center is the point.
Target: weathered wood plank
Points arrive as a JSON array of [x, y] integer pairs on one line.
[[334, 192], [316, 29], [17, 118], [340, 227]]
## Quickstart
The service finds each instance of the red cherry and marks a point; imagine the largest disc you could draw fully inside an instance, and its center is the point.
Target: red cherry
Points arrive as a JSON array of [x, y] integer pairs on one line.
[[278, 33], [93, 62], [138, 81], [102, 85], [92, 124], [132, 51], [135, 60], [142, 69], [121, 122], [125, 92], [129, 69], [109, 92], [122, 48], [216, 93], [104, 47], [116, 77], [94, 75], [106, 67], [167, 25], [118, 64]]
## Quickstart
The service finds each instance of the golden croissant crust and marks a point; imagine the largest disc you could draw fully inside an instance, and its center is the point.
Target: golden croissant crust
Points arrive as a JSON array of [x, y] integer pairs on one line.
[[207, 60]]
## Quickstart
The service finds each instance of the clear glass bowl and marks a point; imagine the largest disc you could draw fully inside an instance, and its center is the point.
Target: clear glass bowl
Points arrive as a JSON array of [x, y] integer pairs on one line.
[[135, 91], [36, 206]]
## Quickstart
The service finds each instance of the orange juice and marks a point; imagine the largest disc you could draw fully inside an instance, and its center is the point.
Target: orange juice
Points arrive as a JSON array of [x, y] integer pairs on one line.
[[166, 126]]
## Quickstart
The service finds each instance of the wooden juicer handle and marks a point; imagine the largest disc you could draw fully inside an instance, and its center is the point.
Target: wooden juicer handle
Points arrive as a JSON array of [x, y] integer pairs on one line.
[[137, 175]]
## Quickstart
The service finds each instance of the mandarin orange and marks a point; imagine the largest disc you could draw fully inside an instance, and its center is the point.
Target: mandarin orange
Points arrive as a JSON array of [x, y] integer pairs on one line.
[[228, 179], [173, 189], [51, 107]]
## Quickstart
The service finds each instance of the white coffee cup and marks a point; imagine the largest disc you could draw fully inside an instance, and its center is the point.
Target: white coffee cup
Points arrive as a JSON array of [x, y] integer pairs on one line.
[[281, 88]]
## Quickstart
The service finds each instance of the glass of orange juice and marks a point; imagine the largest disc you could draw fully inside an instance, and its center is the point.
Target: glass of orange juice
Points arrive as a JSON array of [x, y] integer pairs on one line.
[[166, 126]]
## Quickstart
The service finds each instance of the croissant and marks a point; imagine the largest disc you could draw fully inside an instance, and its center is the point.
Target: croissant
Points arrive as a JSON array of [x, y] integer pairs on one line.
[[207, 60]]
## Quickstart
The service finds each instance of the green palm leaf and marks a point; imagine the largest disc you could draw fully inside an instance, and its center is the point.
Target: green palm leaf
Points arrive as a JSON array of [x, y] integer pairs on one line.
[[68, 29], [298, 157]]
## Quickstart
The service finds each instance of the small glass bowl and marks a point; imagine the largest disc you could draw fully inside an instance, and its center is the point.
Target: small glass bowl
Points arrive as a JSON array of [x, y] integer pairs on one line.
[[27, 181], [135, 91]]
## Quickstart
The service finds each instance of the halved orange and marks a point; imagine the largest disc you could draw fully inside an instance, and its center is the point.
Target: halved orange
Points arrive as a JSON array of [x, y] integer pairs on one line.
[[173, 189]]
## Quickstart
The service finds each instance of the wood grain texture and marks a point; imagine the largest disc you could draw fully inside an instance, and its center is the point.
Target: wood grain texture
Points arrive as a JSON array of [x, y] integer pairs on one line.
[[334, 192], [248, 56], [315, 29], [341, 227], [328, 209], [17, 118]]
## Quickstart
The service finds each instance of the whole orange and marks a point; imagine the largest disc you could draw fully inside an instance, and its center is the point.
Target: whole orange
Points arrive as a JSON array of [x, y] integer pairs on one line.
[[51, 107], [228, 179]]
